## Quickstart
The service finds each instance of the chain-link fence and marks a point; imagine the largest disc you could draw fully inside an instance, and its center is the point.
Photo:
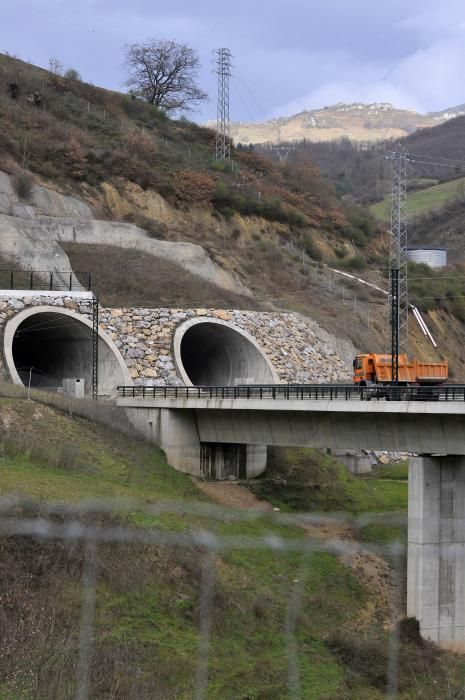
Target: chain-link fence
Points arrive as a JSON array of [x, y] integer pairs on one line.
[[169, 600]]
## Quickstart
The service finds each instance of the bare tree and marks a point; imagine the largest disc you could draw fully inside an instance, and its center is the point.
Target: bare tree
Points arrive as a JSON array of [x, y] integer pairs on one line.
[[55, 66], [164, 73]]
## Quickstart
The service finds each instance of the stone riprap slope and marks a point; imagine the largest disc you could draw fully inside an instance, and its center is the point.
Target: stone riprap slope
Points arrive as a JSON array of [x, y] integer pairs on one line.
[[144, 337]]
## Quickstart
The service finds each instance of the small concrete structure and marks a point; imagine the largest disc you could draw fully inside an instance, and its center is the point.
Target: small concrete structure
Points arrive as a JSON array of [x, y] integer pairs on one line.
[[355, 461], [431, 256]]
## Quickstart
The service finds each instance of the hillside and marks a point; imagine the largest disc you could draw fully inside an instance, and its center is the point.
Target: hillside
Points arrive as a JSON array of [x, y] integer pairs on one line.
[[148, 197], [148, 595], [361, 171], [424, 201], [357, 122], [89, 167], [128, 163]]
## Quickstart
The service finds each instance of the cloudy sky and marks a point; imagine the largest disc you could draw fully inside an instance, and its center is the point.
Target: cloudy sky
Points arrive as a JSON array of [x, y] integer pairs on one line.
[[289, 55]]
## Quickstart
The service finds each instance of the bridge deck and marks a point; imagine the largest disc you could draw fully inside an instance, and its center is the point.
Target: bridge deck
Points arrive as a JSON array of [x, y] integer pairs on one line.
[[449, 399]]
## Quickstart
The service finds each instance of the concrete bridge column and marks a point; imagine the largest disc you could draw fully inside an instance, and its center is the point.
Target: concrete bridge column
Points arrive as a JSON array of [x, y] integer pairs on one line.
[[177, 433], [436, 548]]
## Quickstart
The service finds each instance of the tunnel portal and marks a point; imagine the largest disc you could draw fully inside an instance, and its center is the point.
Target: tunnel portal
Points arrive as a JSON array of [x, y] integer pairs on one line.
[[50, 348], [212, 353]]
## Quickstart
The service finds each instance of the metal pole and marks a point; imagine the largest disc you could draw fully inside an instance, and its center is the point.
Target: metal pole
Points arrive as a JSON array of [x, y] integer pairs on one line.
[[395, 326], [95, 348], [29, 384]]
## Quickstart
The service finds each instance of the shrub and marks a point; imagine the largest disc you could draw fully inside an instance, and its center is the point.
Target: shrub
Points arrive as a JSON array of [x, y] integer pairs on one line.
[[23, 184], [72, 74], [140, 145], [311, 247], [356, 262], [195, 187], [75, 159], [220, 166]]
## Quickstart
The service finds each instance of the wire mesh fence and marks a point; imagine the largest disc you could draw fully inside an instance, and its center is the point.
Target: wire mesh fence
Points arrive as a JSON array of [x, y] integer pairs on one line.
[[193, 550]]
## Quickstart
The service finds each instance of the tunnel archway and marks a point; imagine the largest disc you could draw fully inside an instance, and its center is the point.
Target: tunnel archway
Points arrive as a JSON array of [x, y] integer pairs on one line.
[[50, 345], [211, 352]]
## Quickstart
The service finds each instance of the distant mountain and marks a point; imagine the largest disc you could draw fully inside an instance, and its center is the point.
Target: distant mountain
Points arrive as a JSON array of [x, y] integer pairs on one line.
[[357, 122]]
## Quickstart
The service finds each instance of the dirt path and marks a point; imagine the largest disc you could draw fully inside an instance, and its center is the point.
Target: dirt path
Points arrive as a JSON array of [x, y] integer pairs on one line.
[[231, 495]]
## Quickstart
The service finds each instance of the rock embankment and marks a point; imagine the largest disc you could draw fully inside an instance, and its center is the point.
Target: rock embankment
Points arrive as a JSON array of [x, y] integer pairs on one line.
[[145, 339]]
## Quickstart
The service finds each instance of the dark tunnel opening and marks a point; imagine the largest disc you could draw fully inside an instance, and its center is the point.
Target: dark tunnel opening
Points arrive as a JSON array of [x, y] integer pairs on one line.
[[50, 349], [213, 354]]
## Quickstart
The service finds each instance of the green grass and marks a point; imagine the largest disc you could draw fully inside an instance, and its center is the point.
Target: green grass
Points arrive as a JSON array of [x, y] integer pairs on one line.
[[305, 480], [421, 202], [68, 458], [148, 596], [397, 472]]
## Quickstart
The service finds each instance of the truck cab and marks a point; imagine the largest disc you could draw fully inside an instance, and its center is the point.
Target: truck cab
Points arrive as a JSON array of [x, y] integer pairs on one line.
[[364, 370]]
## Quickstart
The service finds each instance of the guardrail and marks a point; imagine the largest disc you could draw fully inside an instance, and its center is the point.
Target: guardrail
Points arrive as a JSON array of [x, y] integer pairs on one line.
[[341, 392], [44, 280]]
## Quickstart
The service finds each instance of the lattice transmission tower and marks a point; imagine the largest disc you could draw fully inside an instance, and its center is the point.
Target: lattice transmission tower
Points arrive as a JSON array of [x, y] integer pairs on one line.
[[398, 247], [222, 65]]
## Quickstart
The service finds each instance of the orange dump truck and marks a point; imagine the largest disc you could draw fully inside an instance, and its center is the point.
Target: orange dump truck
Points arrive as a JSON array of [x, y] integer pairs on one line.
[[372, 369]]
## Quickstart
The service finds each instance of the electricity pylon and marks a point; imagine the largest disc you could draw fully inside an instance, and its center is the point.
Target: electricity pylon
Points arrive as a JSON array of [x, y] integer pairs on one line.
[[398, 246], [222, 64]]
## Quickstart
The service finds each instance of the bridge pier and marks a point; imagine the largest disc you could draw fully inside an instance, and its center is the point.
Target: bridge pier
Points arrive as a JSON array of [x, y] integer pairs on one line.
[[177, 433], [436, 548]]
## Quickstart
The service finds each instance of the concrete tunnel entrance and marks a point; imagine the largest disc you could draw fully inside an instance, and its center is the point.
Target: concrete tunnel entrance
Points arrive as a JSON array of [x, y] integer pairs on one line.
[[210, 352], [53, 347]]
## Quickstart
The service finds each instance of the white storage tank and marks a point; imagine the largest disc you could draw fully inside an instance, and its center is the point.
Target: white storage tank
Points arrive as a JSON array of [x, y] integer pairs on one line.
[[432, 256]]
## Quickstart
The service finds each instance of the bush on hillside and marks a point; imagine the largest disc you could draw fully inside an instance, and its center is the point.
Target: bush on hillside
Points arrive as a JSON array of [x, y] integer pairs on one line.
[[23, 184], [193, 186], [75, 159], [140, 145]]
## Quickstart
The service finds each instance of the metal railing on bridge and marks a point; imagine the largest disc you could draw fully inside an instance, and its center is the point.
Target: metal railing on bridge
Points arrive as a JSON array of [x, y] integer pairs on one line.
[[331, 392]]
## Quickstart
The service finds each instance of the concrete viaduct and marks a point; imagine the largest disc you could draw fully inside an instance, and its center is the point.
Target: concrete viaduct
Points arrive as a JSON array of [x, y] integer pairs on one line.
[[202, 432]]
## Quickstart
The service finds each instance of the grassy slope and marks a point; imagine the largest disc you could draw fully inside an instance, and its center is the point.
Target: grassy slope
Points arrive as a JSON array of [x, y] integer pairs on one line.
[[147, 281], [147, 600], [422, 202], [148, 596], [302, 479]]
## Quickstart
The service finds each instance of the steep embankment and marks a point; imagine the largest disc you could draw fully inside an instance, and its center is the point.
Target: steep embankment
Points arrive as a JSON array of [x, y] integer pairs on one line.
[[34, 226], [130, 164]]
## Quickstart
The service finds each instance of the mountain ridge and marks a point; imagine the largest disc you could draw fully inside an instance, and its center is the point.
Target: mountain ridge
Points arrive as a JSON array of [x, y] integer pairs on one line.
[[357, 121]]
